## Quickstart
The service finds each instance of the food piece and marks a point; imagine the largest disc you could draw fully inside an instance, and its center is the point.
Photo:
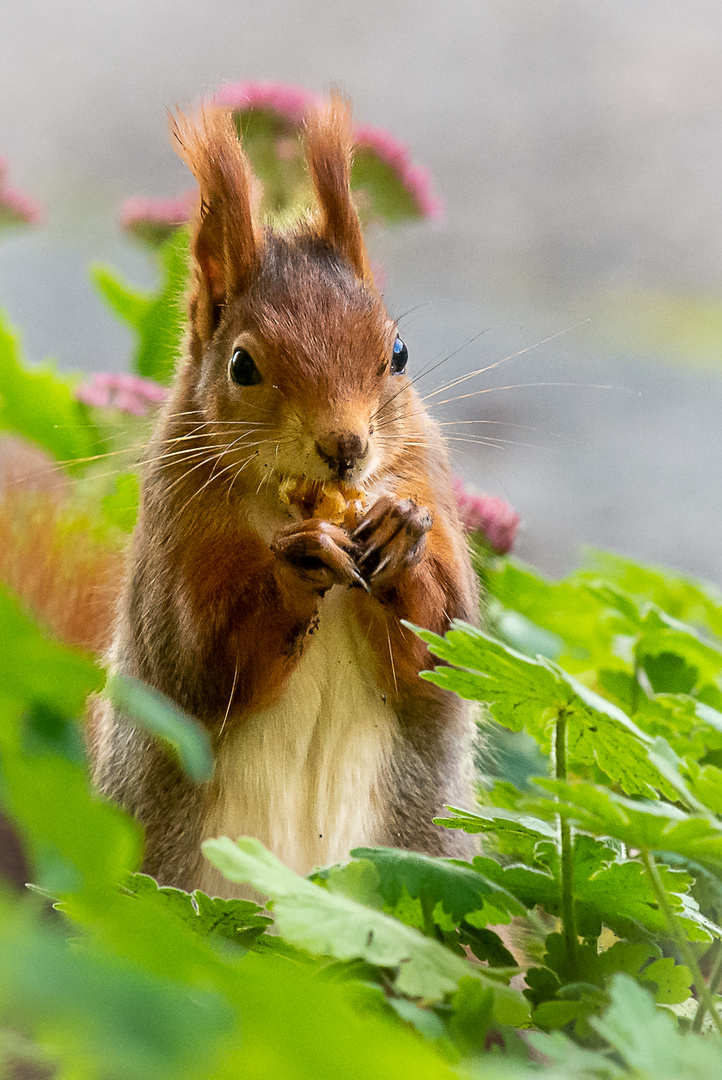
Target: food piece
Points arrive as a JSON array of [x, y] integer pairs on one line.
[[336, 503]]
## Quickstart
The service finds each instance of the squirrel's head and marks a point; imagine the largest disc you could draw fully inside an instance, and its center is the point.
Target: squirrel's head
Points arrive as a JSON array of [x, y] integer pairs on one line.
[[295, 367]]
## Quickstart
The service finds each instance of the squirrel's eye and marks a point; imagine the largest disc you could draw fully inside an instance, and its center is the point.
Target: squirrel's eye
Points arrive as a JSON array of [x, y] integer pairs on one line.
[[243, 370], [399, 357]]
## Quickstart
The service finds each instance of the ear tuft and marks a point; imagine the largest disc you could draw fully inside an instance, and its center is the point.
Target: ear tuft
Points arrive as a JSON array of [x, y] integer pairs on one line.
[[223, 240], [329, 149]]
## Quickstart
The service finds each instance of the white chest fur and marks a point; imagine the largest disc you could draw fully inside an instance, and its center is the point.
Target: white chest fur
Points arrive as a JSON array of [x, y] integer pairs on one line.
[[306, 776]]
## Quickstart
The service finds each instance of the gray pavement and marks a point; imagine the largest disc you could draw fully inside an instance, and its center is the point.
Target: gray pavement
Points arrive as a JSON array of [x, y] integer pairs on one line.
[[578, 147]]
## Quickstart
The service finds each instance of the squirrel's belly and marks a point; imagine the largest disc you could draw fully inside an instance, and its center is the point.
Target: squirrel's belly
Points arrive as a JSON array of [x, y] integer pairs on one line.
[[307, 776]]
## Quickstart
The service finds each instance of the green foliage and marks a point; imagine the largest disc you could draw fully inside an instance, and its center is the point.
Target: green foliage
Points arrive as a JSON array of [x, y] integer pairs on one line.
[[39, 404], [611, 871], [532, 693], [151, 710], [601, 885], [156, 319]]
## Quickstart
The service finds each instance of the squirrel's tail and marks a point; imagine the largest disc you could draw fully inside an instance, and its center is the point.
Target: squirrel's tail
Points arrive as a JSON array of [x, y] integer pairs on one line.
[[50, 555]]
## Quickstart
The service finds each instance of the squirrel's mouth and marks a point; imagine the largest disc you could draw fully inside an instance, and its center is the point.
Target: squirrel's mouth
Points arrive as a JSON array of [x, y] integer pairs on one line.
[[329, 500]]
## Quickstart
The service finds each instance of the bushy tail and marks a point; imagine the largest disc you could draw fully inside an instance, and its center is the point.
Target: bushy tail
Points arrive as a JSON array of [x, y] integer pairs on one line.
[[50, 553]]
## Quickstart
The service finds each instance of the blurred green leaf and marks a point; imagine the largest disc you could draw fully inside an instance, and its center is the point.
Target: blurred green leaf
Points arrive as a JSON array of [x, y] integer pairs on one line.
[[154, 712], [157, 319], [331, 924], [40, 405], [649, 1041]]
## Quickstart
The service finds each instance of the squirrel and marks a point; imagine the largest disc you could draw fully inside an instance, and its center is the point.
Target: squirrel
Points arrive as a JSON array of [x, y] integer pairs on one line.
[[296, 508]]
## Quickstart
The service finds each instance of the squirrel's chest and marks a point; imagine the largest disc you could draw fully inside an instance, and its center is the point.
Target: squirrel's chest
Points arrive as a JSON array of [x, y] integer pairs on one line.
[[308, 776]]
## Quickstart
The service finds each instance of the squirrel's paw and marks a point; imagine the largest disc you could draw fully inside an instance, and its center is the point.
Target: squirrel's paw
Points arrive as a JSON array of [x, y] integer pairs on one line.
[[391, 536], [321, 554]]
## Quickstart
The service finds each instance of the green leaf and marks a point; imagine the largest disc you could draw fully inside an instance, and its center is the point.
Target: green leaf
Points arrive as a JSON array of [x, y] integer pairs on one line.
[[385, 194], [607, 891], [120, 505], [670, 983], [686, 598], [522, 692], [691, 728], [472, 1016], [35, 668], [94, 1008], [494, 819], [240, 921], [459, 890], [640, 824], [157, 319], [649, 1040], [40, 405], [76, 843], [566, 610], [330, 924], [154, 712]]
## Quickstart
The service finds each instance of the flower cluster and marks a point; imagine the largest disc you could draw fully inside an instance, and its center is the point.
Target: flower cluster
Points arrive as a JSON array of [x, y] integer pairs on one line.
[[153, 220], [487, 515], [289, 102], [16, 208], [415, 178], [127, 393], [276, 156]]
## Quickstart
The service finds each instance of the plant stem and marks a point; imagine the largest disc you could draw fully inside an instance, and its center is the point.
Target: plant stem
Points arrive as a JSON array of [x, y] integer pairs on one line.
[[704, 994], [569, 920], [714, 980]]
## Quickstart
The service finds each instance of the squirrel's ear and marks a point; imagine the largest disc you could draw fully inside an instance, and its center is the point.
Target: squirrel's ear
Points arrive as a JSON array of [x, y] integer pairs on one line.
[[223, 242], [329, 149]]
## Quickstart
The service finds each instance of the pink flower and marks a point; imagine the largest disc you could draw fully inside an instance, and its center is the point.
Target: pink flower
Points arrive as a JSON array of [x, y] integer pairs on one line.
[[415, 179], [16, 208], [153, 220], [488, 515], [290, 102], [128, 393]]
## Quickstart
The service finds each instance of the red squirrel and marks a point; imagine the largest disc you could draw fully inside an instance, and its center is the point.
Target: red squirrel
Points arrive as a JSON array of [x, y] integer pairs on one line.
[[296, 507]]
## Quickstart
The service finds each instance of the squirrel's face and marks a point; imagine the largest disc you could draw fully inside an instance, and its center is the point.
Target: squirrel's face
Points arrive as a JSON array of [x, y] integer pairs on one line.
[[295, 364], [305, 375]]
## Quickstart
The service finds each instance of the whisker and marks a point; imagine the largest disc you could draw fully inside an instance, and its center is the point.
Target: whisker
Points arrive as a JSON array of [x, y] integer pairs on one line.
[[522, 386], [511, 356], [428, 370]]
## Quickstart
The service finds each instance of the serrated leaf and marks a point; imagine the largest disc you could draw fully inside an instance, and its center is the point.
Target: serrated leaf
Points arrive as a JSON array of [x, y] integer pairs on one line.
[[606, 891], [154, 712], [330, 924], [496, 819], [522, 692], [459, 890], [641, 825], [241, 921]]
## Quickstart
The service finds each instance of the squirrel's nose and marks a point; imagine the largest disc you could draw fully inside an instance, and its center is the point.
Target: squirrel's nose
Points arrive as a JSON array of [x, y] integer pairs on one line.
[[341, 451]]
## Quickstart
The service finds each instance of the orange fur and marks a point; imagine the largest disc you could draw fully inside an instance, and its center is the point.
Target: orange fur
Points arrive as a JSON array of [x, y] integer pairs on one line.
[[48, 557], [329, 146]]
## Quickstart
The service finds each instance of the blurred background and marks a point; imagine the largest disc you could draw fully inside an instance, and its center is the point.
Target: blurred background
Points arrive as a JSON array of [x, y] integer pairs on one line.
[[578, 149]]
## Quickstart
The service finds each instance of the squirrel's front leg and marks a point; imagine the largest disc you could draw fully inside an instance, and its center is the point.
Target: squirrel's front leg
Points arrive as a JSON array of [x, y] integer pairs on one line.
[[391, 537], [317, 554], [415, 569]]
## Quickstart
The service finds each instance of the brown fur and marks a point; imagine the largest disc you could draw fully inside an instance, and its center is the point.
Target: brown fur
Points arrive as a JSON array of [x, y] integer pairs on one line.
[[225, 584]]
